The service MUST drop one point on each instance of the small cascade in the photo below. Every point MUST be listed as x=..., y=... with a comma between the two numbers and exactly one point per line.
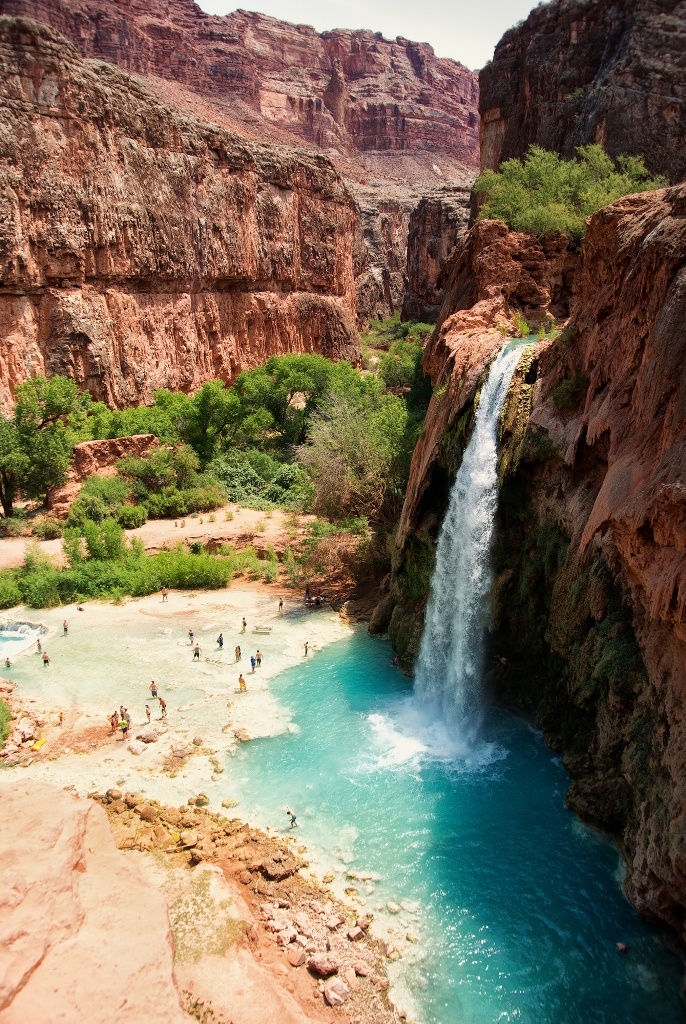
x=450, y=664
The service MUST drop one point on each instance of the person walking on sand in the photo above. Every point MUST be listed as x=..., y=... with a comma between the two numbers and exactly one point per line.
x=258, y=658
x=163, y=706
x=153, y=689
x=245, y=625
x=252, y=661
x=191, y=636
x=46, y=659
x=165, y=595
x=65, y=627
x=147, y=713
x=196, y=652
x=306, y=645
x=241, y=684
x=220, y=641
x=280, y=606
x=238, y=654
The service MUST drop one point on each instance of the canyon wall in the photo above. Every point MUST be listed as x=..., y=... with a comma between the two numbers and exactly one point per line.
x=141, y=248
x=580, y=71
x=589, y=602
x=395, y=120
x=354, y=91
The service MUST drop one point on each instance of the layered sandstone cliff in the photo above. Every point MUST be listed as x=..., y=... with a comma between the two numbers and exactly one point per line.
x=354, y=91
x=589, y=603
x=580, y=71
x=140, y=248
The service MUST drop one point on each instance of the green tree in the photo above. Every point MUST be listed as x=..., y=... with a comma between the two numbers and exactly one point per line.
x=543, y=192
x=37, y=442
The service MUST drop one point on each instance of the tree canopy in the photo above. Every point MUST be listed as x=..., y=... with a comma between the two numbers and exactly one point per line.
x=545, y=193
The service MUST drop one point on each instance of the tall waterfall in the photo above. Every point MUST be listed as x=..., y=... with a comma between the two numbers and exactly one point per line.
x=450, y=665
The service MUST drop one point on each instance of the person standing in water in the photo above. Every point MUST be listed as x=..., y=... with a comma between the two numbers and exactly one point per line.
x=163, y=707
x=147, y=713
x=65, y=627
x=290, y=814
x=196, y=652
x=46, y=659
x=220, y=641
x=153, y=689
x=8, y=663
x=39, y=645
x=306, y=645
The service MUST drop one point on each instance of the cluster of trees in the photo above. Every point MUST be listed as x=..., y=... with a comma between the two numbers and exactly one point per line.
x=299, y=432
x=545, y=193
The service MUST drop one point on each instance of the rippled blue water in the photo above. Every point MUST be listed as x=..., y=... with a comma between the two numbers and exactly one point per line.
x=520, y=905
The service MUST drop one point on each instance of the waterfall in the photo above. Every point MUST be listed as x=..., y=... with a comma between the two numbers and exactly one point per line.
x=450, y=665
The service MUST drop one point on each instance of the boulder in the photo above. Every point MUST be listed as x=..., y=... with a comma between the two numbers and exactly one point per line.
x=148, y=735
x=147, y=812
x=355, y=934
x=286, y=936
x=197, y=741
x=324, y=964
x=296, y=957
x=362, y=968
x=136, y=747
x=189, y=837
x=393, y=908
x=332, y=923
x=336, y=992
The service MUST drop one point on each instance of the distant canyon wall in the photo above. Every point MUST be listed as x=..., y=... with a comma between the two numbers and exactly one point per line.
x=353, y=91
x=580, y=71
x=141, y=248
x=589, y=600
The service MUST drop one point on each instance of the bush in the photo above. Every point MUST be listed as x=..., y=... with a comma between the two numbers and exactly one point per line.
x=170, y=502
x=47, y=528
x=10, y=594
x=545, y=193
x=132, y=516
x=569, y=392
x=5, y=722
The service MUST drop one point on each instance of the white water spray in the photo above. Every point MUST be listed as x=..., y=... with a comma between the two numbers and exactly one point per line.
x=450, y=665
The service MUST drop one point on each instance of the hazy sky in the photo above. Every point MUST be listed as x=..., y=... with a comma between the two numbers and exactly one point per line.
x=466, y=30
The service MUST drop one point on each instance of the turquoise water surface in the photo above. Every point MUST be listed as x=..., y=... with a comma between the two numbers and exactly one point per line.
x=518, y=906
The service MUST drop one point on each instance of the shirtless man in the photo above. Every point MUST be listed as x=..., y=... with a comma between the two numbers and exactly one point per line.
x=241, y=684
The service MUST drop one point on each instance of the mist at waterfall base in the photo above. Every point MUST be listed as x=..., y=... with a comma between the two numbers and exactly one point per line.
x=460, y=810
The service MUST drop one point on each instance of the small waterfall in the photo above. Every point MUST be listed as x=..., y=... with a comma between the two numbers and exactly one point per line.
x=450, y=665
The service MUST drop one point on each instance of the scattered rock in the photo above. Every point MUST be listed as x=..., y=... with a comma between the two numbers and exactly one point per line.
x=334, y=922
x=202, y=800
x=351, y=979
x=286, y=936
x=242, y=736
x=113, y=794
x=149, y=735
x=393, y=908
x=355, y=934
x=363, y=922
x=245, y=877
x=188, y=837
x=328, y=878
x=362, y=968
x=228, y=804
x=412, y=937
x=296, y=957
x=276, y=872
x=324, y=964
x=147, y=812
x=336, y=992
x=172, y=816
x=303, y=924
x=136, y=747
x=197, y=741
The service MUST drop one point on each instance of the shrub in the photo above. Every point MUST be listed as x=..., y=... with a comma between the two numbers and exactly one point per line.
x=569, y=392
x=10, y=594
x=5, y=722
x=545, y=193
x=132, y=516
x=47, y=528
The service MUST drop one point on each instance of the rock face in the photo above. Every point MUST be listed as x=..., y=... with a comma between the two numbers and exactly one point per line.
x=80, y=930
x=436, y=226
x=580, y=71
x=350, y=90
x=589, y=603
x=140, y=248
x=91, y=457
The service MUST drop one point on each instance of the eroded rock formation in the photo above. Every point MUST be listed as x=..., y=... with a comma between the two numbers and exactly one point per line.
x=580, y=71
x=351, y=90
x=589, y=603
x=436, y=226
x=140, y=248
x=91, y=457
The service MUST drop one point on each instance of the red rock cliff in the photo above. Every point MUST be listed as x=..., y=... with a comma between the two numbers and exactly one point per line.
x=352, y=90
x=140, y=248
x=580, y=71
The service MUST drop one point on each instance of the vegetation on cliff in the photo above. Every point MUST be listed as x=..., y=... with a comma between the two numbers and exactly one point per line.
x=544, y=193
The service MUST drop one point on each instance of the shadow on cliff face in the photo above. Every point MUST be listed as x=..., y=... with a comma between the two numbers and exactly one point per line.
x=589, y=602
